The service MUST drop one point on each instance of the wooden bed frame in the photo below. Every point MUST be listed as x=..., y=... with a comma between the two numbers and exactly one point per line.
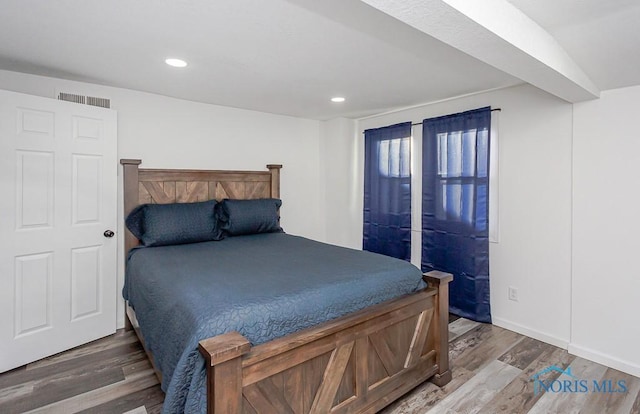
x=358, y=363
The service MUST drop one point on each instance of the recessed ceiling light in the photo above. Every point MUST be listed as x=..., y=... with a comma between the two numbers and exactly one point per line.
x=337, y=99
x=176, y=63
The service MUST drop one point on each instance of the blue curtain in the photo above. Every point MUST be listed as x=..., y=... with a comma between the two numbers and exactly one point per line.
x=455, y=213
x=387, y=191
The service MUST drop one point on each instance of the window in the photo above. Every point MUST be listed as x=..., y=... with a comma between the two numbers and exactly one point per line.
x=395, y=157
x=462, y=176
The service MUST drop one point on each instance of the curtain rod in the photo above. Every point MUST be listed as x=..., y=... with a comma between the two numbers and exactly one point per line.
x=494, y=109
x=420, y=123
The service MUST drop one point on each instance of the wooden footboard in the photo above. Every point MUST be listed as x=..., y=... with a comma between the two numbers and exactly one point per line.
x=356, y=364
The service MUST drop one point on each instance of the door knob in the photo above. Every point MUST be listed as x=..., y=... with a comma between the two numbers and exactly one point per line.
x=108, y=233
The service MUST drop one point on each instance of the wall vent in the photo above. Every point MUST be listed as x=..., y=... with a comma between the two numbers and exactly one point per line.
x=71, y=97
x=85, y=100
x=101, y=102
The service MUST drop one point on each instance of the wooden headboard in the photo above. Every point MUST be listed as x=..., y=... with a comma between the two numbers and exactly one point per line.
x=142, y=186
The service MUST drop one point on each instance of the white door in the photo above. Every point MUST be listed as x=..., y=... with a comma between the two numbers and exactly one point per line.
x=57, y=199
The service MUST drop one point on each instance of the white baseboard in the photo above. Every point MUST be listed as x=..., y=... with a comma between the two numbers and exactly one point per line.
x=578, y=350
x=532, y=333
x=604, y=359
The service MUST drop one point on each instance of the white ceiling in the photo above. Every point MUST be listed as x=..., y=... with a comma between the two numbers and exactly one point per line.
x=602, y=36
x=291, y=56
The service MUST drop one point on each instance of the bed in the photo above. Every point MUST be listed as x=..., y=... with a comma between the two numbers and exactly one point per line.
x=350, y=359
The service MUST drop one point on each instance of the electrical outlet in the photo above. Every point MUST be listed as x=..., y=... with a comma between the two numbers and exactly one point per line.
x=513, y=293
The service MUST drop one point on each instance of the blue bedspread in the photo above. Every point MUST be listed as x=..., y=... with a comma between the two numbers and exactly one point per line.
x=264, y=286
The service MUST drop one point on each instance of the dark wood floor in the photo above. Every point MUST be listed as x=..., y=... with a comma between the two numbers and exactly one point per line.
x=492, y=373
x=111, y=375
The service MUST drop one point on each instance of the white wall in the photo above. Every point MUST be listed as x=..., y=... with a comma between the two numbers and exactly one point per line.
x=534, y=249
x=340, y=193
x=567, y=208
x=172, y=133
x=606, y=278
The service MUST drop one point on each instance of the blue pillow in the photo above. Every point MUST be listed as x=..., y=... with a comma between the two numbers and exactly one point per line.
x=177, y=223
x=239, y=217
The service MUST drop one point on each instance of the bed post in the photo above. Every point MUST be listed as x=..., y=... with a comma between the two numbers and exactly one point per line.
x=130, y=192
x=274, y=169
x=223, y=356
x=130, y=195
x=440, y=281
